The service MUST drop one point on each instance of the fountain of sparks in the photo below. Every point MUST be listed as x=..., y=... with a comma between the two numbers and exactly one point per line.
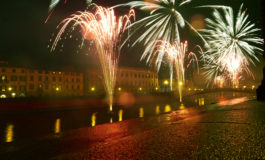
x=178, y=56
x=105, y=29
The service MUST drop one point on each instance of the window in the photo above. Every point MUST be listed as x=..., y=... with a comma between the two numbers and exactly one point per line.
x=53, y=78
x=3, y=88
x=46, y=86
x=77, y=80
x=40, y=78
x=53, y=72
x=60, y=79
x=31, y=86
x=14, y=70
x=3, y=70
x=22, y=88
x=78, y=87
x=22, y=78
x=40, y=72
x=22, y=71
x=31, y=78
x=46, y=78
x=13, y=78
x=73, y=79
x=47, y=72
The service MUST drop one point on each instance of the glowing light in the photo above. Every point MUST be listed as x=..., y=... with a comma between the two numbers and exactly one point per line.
x=93, y=119
x=140, y=89
x=3, y=78
x=57, y=126
x=197, y=21
x=3, y=96
x=9, y=133
x=9, y=88
x=141, y=112
x=13, y=95
x=177, y=55
x=244, y=87
x=182, y=106
x=92, y=89
x=201, y=101
x=111, y=120
x=57, y=88
x=157, y=109
x=166, y=82
x=110, y=107
x=106, y=30
x=167, y=108
x=120, y=115
x=119, y=89
x=252, y=87
x=233, y=44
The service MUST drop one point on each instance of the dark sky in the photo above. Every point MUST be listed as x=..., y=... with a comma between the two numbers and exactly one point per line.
x=25, y=37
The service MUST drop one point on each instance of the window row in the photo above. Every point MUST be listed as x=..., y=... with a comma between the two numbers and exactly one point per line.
x=40, y=78
x=16, y=70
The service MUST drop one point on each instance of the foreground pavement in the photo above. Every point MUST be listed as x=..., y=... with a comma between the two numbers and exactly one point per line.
x=218, y=131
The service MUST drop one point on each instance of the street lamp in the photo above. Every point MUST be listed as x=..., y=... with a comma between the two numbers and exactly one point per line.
x=166, y=82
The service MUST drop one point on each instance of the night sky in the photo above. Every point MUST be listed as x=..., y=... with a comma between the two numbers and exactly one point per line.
x=25, y=38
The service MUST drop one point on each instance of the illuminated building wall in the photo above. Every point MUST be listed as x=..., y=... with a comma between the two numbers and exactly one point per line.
x=24, y=82
x=138, y=81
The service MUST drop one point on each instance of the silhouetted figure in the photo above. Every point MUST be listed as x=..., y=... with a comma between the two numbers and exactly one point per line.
x=261, y=90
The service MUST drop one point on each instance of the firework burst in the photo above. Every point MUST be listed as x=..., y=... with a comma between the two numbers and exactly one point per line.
x=178, y=55
x=233, y=44
x=105, y=29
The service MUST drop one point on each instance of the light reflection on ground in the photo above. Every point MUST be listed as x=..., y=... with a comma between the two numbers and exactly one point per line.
x=233, y=101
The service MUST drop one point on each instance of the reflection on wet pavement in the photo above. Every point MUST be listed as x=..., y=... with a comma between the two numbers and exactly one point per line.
x=61, y=121
x=93, y=119
x=9, y=133
x=57, y=126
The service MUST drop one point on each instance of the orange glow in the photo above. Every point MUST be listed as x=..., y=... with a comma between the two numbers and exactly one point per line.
x=233, y=101
x=197, y=21
x=126, y=99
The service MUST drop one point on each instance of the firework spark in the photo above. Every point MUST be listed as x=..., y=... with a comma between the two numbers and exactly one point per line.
x=105, y=29
x=179, y=57
x=163, y=23
x=233, y=44
x=54, y=3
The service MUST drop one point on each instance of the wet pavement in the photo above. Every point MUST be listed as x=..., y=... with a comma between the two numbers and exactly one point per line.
x=225, y=132
x=232, y=128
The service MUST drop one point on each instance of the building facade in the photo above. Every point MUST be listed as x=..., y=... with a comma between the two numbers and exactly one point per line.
x=136, y=81
x=24, y=82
